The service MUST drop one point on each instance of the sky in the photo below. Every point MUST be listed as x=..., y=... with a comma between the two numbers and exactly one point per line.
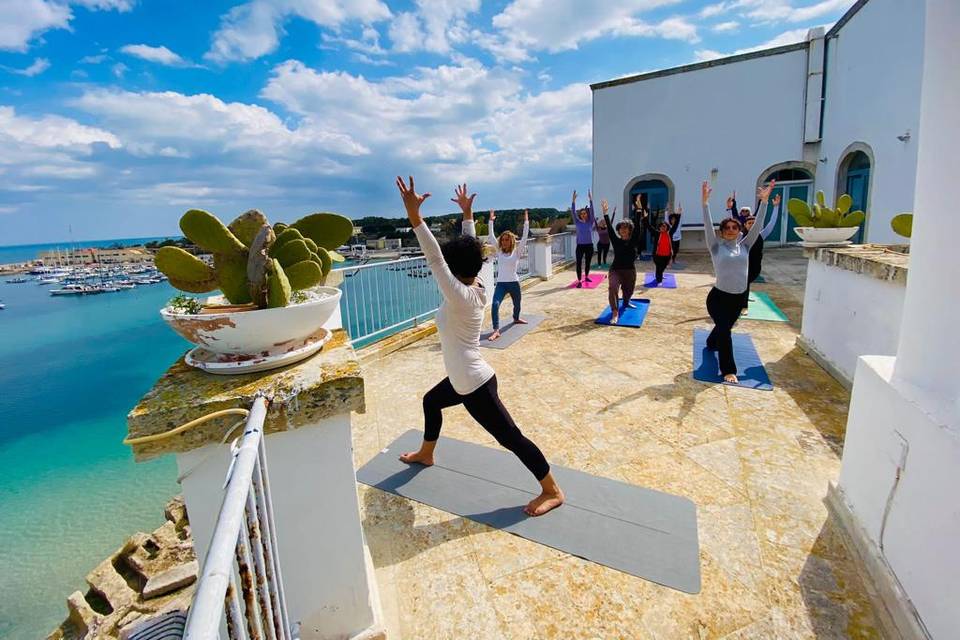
x=116, y=116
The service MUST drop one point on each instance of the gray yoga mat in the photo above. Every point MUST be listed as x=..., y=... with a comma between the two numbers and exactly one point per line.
x=510, y=333
x=645, y=533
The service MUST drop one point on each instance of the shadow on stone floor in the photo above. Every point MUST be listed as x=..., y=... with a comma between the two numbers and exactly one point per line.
x=683, y=387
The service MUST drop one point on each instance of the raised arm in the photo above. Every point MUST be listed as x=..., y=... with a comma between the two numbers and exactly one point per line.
x=764, y=194
x=526, y=230
x=592, y=219
x=676, y=225
x=451, y=288
x=465, y=203
x=708, y=233
x=490, y=234
x=767, y=230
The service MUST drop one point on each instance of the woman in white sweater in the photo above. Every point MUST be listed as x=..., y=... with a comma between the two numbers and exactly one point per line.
x=509, y=250
x=470, y=382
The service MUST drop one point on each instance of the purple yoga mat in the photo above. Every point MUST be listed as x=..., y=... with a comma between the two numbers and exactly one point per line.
x=591, y=283
x=650, y=281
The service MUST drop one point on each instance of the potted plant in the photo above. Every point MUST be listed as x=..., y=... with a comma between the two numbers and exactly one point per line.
x=270, y=277
x=823, y=225
x=539, y=228
x=902, y=224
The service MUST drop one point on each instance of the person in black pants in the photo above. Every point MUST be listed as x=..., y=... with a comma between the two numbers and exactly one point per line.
x=756, y=251
x=663, y=250
x=640, y=219
x=622, y=278
x=603, y=242
x=584, y=220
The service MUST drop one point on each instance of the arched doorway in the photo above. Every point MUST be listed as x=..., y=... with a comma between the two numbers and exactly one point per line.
x=853, y=178
x=655, y=191
x=794, y=180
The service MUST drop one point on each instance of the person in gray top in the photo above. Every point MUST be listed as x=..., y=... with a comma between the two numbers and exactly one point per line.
x=730, y=253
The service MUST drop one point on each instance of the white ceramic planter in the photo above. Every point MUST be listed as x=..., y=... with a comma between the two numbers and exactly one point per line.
x=255, y=333
x=838, y=234
x=539, y=232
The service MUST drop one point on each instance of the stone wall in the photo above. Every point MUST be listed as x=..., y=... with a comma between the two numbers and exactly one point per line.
x=150, y=574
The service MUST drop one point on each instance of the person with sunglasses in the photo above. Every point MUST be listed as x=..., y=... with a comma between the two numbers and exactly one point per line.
x=730, y=254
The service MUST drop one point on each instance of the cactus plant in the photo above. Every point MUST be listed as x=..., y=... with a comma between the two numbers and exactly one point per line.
x=823, y=217
x=252, y=260
x=902, y=224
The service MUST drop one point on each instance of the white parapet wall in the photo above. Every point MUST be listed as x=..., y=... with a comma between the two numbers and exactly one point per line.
x=852, y=306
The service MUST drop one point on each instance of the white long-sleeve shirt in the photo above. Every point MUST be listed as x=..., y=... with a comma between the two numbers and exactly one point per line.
x=460, y=317
x=507, y=263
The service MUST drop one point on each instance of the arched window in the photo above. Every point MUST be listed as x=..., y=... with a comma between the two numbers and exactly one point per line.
x=794, y=180
x=853, y=178
x=654, y=192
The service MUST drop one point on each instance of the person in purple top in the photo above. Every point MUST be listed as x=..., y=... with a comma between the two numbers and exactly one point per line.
x=603, y=242
x=585, y=220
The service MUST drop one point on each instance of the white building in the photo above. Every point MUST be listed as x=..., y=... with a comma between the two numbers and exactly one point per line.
x=837, y=113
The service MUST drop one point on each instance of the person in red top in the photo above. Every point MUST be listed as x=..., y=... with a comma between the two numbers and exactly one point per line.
x=663, y=248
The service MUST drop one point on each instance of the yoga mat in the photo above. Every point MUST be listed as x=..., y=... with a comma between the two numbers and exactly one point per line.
x=761, y=307
x=750, y=371
x=650, y=281
x=510, y=333
x=645, y=533
x=628, y=317
x=760, y=279
x=590, y=283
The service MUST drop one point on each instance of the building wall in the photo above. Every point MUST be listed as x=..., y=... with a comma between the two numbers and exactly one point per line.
x=740, y=118
x=873, y=95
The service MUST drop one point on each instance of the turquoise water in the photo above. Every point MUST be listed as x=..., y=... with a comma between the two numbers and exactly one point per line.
x=70, y=493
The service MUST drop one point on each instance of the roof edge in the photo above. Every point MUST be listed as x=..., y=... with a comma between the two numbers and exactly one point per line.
x=762, y=53
x=845, y=18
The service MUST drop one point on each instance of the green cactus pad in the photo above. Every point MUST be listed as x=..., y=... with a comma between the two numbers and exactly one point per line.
x=853, y=219
x=283, y=237
x=902, y=224
x=844, y=203
x=278, y=287
x=205, y=231
x=336, y=257
x=800, y=212
x=311, y=245
x=326, y=262
x=185, y=271
x=280, y=227
x=292, y=252
x=328, y=230
x=821, y=199
x=231, y=271
x=827, y=219
x=304, y=275
x=247, y=225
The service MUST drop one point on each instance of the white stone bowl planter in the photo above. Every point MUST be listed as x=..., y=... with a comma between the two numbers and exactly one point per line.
x=257, y=332
x=826, y=236
x=539, y=232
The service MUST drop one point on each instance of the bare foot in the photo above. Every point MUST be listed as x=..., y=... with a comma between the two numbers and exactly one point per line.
x=630, y=305
x=543, y=503
x=520, y=321
x=743, y=311
x=615, y=318
x=731, y=378
x=494, y=336
x=418, y=457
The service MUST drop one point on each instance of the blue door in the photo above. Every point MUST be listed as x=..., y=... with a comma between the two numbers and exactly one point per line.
x=857, y=185
x=653, y=195
x=783, y=231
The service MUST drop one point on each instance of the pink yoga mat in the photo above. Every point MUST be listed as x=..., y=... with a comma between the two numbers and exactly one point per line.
x=591, y=283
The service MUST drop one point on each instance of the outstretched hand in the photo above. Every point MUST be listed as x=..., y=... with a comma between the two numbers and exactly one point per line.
x=526, y=215
x=464, y=201
x=776, y=200
x=604, y=206
x=493, y=215
x=705, y=191
x=411, y=200
x=730, y=202
x=763, y=193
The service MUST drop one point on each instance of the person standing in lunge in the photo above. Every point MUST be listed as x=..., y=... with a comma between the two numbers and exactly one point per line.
x=584, y=221
x=470, y=382
x=731, y=260
x=508, y=255
x=625, y=238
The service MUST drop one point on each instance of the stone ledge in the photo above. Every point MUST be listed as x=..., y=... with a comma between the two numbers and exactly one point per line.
x=889, y=263
x=327, y=384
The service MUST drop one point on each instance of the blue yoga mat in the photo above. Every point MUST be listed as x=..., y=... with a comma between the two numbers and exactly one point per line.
x=628, y=317
x=750, y=371
x=650, y=281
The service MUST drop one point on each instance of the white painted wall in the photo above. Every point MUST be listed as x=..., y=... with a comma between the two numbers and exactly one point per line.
x=741, y=118
x=873, y=95
x=320, y=538
x=846, y=315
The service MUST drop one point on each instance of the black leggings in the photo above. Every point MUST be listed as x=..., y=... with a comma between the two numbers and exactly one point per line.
x=485, y=407
x=724, y=308
x=676, y=248
x=585, y=253
x=602, y=249
x=661, y=263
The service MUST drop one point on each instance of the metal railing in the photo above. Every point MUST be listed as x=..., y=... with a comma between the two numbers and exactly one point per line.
x=382, y=298
x=559, y=251
x=523, y=265
x=243, y=549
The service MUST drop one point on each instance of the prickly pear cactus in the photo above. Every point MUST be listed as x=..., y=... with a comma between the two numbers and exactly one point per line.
x=254, y=261
x=823, y=217
x=902, y=224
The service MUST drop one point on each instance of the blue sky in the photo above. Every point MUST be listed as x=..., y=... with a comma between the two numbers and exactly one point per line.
x=118, y=115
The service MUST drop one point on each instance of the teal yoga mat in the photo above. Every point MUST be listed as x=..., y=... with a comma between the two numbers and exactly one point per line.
x=761, y=307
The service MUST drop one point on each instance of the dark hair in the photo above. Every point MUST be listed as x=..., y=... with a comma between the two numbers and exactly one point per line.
x=749, y=219
x=464, y=256
x=625, y=223
x=673, y=217
x=726, y=221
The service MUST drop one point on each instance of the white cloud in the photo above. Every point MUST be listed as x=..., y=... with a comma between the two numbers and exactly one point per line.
x=24, y=20
x=51, y=132
x=434, y=26
x=160, y=55
x=725, y=27
x=251, y=30
x=97, y=59
x=39, y=66
x=769, y=11
x=787, y=37
x=119, y=70
x=405, y=33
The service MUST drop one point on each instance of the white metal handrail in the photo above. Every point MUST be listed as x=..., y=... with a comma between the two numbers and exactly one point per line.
x=244, y=546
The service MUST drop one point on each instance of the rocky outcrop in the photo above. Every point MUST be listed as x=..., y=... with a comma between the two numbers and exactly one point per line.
x=151, y=574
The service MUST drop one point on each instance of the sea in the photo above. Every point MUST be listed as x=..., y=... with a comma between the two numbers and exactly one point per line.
x=71, y=368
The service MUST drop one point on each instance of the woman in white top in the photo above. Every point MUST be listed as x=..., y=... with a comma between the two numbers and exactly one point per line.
x=470, y=382
x=509, y=250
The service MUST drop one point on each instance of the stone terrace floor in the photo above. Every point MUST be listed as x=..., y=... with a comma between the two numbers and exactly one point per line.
x=621, y=403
